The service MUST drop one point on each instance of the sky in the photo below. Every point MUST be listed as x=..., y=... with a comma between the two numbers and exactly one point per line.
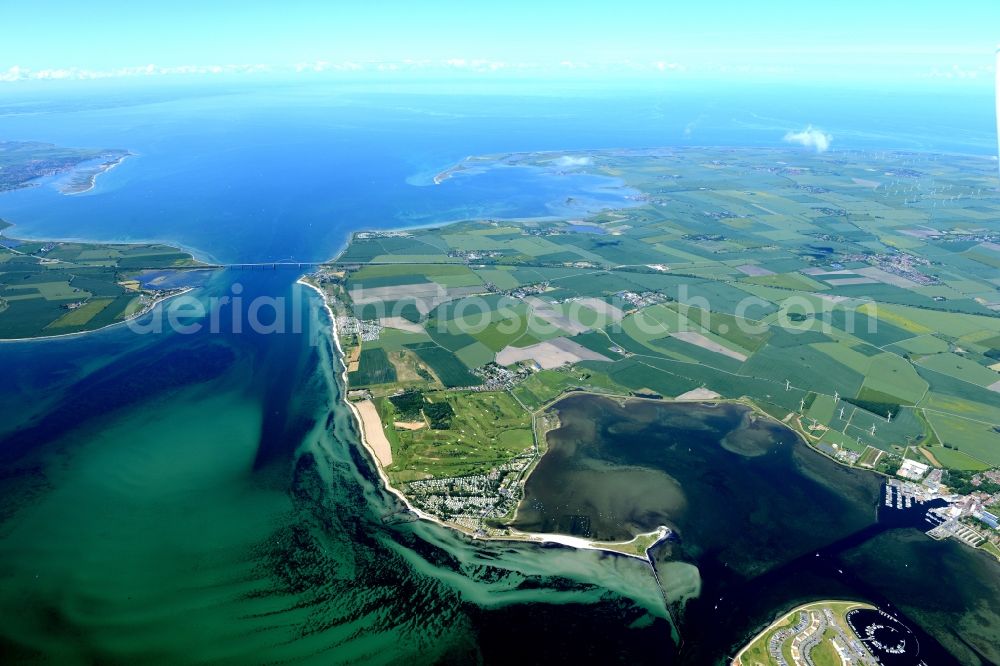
x=867, y=41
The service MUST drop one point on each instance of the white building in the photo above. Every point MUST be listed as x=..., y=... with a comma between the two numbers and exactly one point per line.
x=911, y=469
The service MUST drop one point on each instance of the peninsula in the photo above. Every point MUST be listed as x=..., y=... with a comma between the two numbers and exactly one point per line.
x=52, y=288
x=849, y=296
x=23, y=163
x=819, y=633
x=56, y=288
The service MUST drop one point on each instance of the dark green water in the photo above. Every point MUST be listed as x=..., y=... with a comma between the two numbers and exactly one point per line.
x=763, y=524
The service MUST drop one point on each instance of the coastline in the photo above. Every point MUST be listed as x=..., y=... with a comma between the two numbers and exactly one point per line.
x=737, y=660
x=160, y=298
x=146, y=310
x=565, y=540
x=697, y=395
x=205, y=260
x=91, y=178
x=807, y=435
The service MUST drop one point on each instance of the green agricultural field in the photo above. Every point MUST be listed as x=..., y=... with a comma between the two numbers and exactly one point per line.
x=956, y=406
x=693, y=353
x=394, y=339
x=745, y=334
x=905, y=429
x=545, y=386
x=50, y=291
x=795, y=281
x=475, y=355
x=446, y=365
x=450, y=337
x=502, y=279
x=957, y=460
x=920, y=345
x=893, y=376
x=643, y=377
x=373, y=368
x=406, y=270
x=498, y=335
x=823, y=408
x=387, y=275
x=60, y=288
x=82, y=315
x=597, y=341
x=808, y=366
x=734, y=275
x=975, y=439
x=961, y=368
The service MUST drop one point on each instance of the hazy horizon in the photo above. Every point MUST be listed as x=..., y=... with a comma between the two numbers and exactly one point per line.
x=889, y=44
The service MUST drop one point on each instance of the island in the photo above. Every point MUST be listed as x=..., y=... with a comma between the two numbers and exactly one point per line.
x=850, y=296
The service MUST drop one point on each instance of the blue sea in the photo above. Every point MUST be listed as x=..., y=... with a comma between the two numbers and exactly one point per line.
x=287, y=172
x=173, y=498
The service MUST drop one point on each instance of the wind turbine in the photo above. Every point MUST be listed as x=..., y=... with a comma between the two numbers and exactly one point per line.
x=841, y=413
x=788, y=385
x=873, y=430
x=890, y=417
x=802, y=405
x=836, y=396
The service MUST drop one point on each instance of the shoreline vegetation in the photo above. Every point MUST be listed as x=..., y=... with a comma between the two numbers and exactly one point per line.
x=62, y=288
x=160, y=297
x=59, y=289
x=25, y=163
x=84, y=179
x=583, y=293
x=827, y=618
x=381, y=456
x=637, y=547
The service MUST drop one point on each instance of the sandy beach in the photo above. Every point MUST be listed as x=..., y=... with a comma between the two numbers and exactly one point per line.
x=565, y=540
x=699, y=394
x=372, y=426
x=89, y=177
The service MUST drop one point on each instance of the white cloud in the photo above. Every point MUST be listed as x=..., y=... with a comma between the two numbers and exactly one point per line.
x=690, y=127
x=570, y=161
x=810, y=138
x=17, y=73
x=957, y=72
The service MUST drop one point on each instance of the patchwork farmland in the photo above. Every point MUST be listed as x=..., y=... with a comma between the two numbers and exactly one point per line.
x=57, y=288
x=854, y=297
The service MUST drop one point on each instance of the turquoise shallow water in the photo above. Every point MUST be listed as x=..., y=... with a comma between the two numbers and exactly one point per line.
x=225, y=513
x=174, y=498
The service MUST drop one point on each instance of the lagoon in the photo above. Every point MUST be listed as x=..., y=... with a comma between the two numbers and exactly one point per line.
x=766, y=522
